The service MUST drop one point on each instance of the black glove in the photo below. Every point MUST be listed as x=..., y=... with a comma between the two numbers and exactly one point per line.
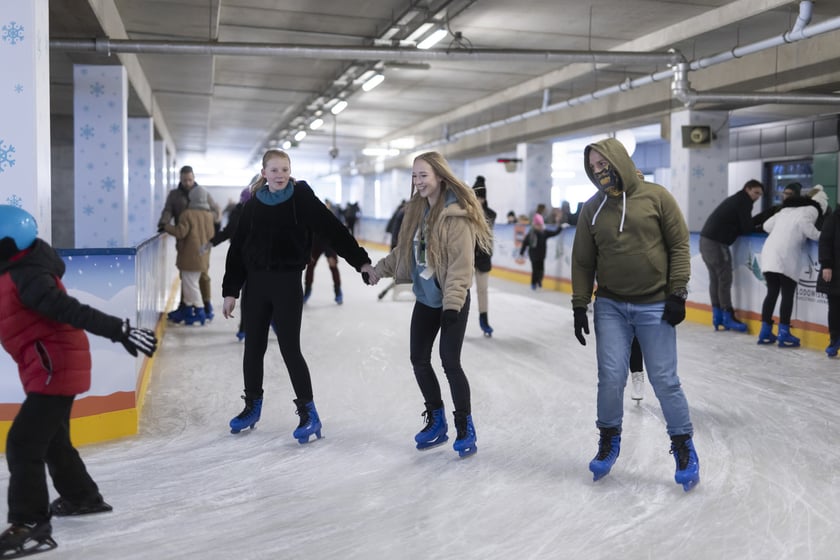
x=674, y=313
x=135, y=339
x=366, y=278
x=161, y=229
x=581, y=324
x=449, y=318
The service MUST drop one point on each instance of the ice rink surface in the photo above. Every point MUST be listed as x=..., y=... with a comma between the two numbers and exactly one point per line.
x=766, y=423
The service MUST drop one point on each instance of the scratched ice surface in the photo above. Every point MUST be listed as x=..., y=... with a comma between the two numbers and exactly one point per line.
x=766, y=424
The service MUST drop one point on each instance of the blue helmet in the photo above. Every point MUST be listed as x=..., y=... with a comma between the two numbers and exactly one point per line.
x=18, y=225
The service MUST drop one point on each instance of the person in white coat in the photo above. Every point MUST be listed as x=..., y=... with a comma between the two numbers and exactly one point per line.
x=780, y=258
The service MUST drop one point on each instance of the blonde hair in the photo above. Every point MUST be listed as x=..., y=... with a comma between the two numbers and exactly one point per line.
x=415, y=209
x=258, y=181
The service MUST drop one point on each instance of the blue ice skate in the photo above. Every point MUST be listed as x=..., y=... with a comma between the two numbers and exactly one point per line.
x=434, y=432
x=195, y=315
x=249, y=416
x=688, y=465
x=339, y=297
x=208, y=310
x=786, y=339
x=465, y=440
x=766, y=336
x=833, y=347
x=609, y=446
x=178, y=315
x=485, y=326
x=310, y=423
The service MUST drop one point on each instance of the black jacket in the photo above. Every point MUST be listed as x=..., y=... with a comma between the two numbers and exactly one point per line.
x=279, y=237
x=829, y=254
x=482, y=258
x=732, y=217
x=535, y=243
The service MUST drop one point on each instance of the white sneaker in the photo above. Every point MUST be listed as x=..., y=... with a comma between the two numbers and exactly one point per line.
x=638, y=380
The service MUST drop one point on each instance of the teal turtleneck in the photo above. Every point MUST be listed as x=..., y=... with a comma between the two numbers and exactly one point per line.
x=269, y=198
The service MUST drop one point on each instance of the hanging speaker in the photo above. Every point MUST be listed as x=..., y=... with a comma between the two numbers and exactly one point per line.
x=696, y=136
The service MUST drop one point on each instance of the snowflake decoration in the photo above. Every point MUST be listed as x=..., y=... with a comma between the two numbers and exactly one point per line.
x=90, y=166
x=97, y=89
x=112, y=243
x=6, y=156
x=88, y=210
x=115, y=128
x=87, y=132
x=18, y=88
x=697, y=172
x=13, y=33
x=15, y=200
x=109, y=184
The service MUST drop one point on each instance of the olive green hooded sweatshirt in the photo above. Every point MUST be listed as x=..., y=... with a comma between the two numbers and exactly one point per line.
x=634, y=240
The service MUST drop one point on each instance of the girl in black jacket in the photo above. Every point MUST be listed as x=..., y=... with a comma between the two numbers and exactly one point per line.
x=535, y=244
x=270, y=249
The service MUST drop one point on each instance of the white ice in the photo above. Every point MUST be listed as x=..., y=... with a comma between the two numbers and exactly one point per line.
x=766, y=422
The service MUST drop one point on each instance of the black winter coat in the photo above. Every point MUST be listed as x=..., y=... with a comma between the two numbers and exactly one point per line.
x=483, y=261
x=279, y=237
x=829, y=254
x=732, y=217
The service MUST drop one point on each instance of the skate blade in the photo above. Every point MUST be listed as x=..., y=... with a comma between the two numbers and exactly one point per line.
x=687, y=486
x=251, y=427
x=305, y=440
x=430, y=444
x=35, y=547
x=467, y=453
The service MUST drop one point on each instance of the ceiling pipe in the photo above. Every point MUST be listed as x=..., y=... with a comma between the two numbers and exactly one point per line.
x=109, y=46
x=799, y=32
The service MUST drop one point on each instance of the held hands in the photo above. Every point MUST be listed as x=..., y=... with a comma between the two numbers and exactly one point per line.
x=204, y=248
x=581, y=324
x=826, y=274
x=369, y=275
x=674, y=313
x=228, y=306
x=448, y=318
x=135, y=339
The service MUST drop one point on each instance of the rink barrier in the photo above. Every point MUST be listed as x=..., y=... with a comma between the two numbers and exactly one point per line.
x=810, y=312
x=130, y=282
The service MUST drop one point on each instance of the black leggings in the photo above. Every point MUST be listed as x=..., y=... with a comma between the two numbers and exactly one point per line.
x=787, y=285
x=834, y=316
x=425, y=324
x=274, y=295
x=537, y=272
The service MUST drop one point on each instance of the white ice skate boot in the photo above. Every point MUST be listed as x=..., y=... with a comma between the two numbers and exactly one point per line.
x=637, y=392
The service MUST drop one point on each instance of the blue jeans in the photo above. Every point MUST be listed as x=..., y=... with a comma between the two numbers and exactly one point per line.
x=615, y=325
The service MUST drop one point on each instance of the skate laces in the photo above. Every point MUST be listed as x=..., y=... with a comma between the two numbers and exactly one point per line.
x=604, y=448
x=427, y=417
x=304, y=417
x=683, y=454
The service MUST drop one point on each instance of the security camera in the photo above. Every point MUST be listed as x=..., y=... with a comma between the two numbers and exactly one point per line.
x=333, y=152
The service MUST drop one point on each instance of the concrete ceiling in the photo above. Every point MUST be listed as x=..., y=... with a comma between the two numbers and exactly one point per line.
x=231, y=108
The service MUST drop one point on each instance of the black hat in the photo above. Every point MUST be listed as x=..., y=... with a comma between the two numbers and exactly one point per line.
x=479, y=188
x=795, y=187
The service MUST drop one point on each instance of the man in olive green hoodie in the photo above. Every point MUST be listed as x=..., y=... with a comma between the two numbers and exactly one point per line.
x=632, y=236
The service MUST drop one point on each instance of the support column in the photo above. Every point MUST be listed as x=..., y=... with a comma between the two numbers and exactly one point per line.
x=699, y=172
x=141, y=192
x=161, y=178
x=25, y=110
x=536, y=166
x=100, y=97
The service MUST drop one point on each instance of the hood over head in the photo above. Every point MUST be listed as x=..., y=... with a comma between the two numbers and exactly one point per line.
x=621, y=175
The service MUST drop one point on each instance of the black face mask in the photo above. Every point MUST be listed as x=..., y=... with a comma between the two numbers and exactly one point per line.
x=609, y=180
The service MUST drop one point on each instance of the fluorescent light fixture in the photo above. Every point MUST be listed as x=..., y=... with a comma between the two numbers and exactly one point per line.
x=379, y=152
x=419, y=32
x=316, y=124
x=338, y=107
x=287, y=144
x=405, y=143
x=433, y=39
x=366, y=75
x=373, y=82
x=300, y=135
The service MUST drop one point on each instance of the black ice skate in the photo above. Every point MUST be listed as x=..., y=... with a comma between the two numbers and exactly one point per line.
x=62, y=507
x=23, y=539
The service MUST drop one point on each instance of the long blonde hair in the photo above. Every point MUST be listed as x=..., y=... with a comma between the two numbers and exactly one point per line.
x=258, y=181
x=415, y=209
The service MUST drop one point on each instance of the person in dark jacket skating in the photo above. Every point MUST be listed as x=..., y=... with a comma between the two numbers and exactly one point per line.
x=535, y=243
x=483, y=259
x=733, y=217
x=270, y=249
x=828, y=283
x=43, y=330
